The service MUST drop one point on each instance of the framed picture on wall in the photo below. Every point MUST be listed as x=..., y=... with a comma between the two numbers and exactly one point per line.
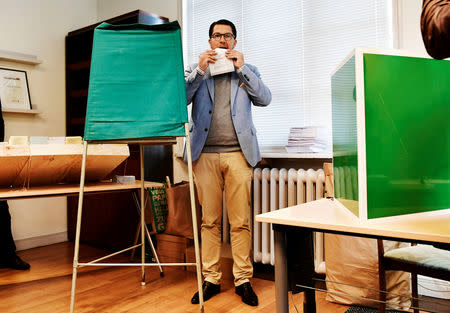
x=14, y=92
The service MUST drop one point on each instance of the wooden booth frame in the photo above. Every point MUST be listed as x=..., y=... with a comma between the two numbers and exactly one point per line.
x=144, y=231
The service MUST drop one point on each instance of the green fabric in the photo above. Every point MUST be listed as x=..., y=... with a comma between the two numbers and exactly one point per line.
x=345, y=160
x=136, y=86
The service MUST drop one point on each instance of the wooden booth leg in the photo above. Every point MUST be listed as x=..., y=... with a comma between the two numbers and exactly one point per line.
x=194, y=216
x=77, y=234
x=149, y=238
x=141, y=151
x=381, y=277
x=415, y=293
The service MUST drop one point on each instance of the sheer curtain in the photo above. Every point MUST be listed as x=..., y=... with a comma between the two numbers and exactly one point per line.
x=295, y=45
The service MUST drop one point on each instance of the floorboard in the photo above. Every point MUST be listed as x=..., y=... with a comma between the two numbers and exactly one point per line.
x=46, y=288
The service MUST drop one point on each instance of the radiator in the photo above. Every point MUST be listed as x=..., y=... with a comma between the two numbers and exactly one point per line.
x=275, y=189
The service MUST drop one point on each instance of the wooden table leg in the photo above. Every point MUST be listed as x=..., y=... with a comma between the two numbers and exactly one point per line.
x=281, y=279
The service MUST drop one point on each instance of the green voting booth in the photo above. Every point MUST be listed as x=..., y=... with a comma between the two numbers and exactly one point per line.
x=136, y=88
x=391, y=133
x=137, y=95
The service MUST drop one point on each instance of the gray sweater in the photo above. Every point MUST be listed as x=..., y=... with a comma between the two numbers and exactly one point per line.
x=221, y=135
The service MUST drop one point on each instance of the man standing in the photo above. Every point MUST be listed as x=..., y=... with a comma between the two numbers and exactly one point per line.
x=8, y=256
x=224, y=148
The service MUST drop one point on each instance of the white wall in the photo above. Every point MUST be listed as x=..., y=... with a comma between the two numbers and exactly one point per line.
x=39, y=28
x=409, y=35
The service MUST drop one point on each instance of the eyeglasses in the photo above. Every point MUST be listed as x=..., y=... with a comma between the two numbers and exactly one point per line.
x=227, y=36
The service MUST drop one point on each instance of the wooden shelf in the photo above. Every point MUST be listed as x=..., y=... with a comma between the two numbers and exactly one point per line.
x=21, y=111
x=19, y=57
x=77, y=120
x=78, y=93
x=79, y=65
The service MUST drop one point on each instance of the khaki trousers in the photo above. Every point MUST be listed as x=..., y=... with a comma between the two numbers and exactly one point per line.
x=213, y=173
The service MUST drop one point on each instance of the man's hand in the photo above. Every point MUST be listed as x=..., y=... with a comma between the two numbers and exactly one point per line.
x=205, y=58
x=236, y=56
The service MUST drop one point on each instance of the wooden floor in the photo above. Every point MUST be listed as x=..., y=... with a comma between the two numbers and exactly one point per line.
x=46, y=288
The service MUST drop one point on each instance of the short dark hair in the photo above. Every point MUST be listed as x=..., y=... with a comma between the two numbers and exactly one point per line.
x=222, y=22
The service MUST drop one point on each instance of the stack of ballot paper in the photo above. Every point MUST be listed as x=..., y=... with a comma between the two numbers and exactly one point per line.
x=307, y=139
x=56, y=140
x=222, y=65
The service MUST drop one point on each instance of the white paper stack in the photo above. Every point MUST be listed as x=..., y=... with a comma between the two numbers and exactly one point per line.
x=19, y=140
x=127, y=179
x=307, y=139
x=56, y=140
x=73, y=140
x=40, y=140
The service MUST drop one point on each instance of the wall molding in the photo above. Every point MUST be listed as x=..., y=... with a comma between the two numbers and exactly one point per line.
x=39, y=241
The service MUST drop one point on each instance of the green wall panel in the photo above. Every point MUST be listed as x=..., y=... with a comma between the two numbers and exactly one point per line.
x=345, y=161
x=407, y=134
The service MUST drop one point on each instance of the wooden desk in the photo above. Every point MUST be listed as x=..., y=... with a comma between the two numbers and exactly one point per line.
x=69, y=190
x=94, y=188
x=73, y=190
x=330, y=216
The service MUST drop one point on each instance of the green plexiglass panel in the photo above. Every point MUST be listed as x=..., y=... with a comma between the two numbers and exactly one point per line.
x=407, y=134
x=345, y=162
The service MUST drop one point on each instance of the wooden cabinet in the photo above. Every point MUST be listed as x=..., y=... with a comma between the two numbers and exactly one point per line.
x=109, y=220
x=78, y=63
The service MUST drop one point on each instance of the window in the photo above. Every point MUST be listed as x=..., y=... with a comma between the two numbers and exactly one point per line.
x=295, y=45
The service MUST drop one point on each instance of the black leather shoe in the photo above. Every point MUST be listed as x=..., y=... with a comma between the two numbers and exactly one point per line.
x=247, y=294
x=15, y=262
x=209, y=290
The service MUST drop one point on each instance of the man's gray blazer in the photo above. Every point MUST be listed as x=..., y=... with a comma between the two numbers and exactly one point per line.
x=200, y=92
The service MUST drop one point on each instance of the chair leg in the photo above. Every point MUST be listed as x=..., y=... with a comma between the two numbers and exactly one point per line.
x=415, y=293
x=382, y=282
x=381, y=277
x=309, y=301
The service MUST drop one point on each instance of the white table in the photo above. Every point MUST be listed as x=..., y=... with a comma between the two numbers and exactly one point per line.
x=328, y=215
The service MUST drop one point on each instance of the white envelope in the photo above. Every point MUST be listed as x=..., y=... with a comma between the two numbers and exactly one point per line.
x=222, y=65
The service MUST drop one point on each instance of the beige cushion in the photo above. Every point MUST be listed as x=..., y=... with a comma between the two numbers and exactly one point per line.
x=424, y=255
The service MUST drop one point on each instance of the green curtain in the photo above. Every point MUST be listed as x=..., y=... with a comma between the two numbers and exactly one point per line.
x=136, y=86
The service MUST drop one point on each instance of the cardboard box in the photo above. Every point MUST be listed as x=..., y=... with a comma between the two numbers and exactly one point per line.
x=226, y=261
x=190, y=258
x=172, y=249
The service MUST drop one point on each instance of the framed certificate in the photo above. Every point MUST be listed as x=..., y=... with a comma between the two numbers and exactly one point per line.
x=14, y=92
